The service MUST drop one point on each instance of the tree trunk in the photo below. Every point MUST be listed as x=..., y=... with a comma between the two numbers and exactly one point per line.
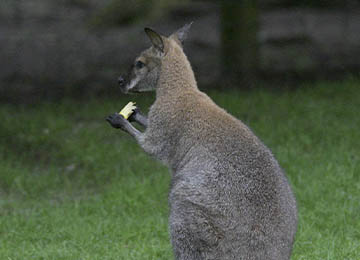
x=239, y=26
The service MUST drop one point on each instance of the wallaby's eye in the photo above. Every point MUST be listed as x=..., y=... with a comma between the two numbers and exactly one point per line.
x=139, y=64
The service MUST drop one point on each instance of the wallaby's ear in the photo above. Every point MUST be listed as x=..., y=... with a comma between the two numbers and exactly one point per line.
x=155, y=39
x=182, y=33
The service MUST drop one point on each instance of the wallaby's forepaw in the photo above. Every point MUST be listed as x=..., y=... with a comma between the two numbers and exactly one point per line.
x=132, y=117
x=117, y=121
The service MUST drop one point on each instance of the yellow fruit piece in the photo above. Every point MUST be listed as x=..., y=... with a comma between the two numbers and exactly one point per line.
x=128, y=110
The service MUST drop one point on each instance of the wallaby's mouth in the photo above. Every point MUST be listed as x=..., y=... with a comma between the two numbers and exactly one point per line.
x=131, y=86
x=122, y=84
x=126, y=90
x=129, y=91
x=128, y=87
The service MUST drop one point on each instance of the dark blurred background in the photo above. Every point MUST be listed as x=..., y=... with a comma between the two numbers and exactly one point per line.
x=51, y=49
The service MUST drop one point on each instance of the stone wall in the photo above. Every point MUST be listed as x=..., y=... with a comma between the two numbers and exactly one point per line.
x=50, y=48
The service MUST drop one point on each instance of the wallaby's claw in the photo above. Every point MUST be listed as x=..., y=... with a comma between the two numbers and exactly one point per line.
x=116, y=120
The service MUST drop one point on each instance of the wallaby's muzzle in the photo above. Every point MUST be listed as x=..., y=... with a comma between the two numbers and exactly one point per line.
x=128, y=86
x=122, y=84
x=121, y=81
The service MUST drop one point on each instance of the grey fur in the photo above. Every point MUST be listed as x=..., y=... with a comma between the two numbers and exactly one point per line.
x=229, y=198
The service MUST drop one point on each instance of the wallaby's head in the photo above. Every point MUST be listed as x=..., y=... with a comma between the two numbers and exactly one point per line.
x=146, y=68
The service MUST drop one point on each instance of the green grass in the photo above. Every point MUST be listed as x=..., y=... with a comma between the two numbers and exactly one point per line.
x=72, y=187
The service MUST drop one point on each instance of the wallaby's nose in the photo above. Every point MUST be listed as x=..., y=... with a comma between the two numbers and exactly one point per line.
x=121, y=81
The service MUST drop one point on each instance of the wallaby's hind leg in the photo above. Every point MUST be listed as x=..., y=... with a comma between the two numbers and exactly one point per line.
x=193, y=235
x=184, y=246
x=194, y=240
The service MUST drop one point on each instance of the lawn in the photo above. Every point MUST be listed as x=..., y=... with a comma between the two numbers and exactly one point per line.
x=72, y=187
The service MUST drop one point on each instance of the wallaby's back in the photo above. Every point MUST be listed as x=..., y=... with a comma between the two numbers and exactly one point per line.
x=228, y=197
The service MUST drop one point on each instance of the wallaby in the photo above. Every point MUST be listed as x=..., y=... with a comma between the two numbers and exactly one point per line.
x=229, y=198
